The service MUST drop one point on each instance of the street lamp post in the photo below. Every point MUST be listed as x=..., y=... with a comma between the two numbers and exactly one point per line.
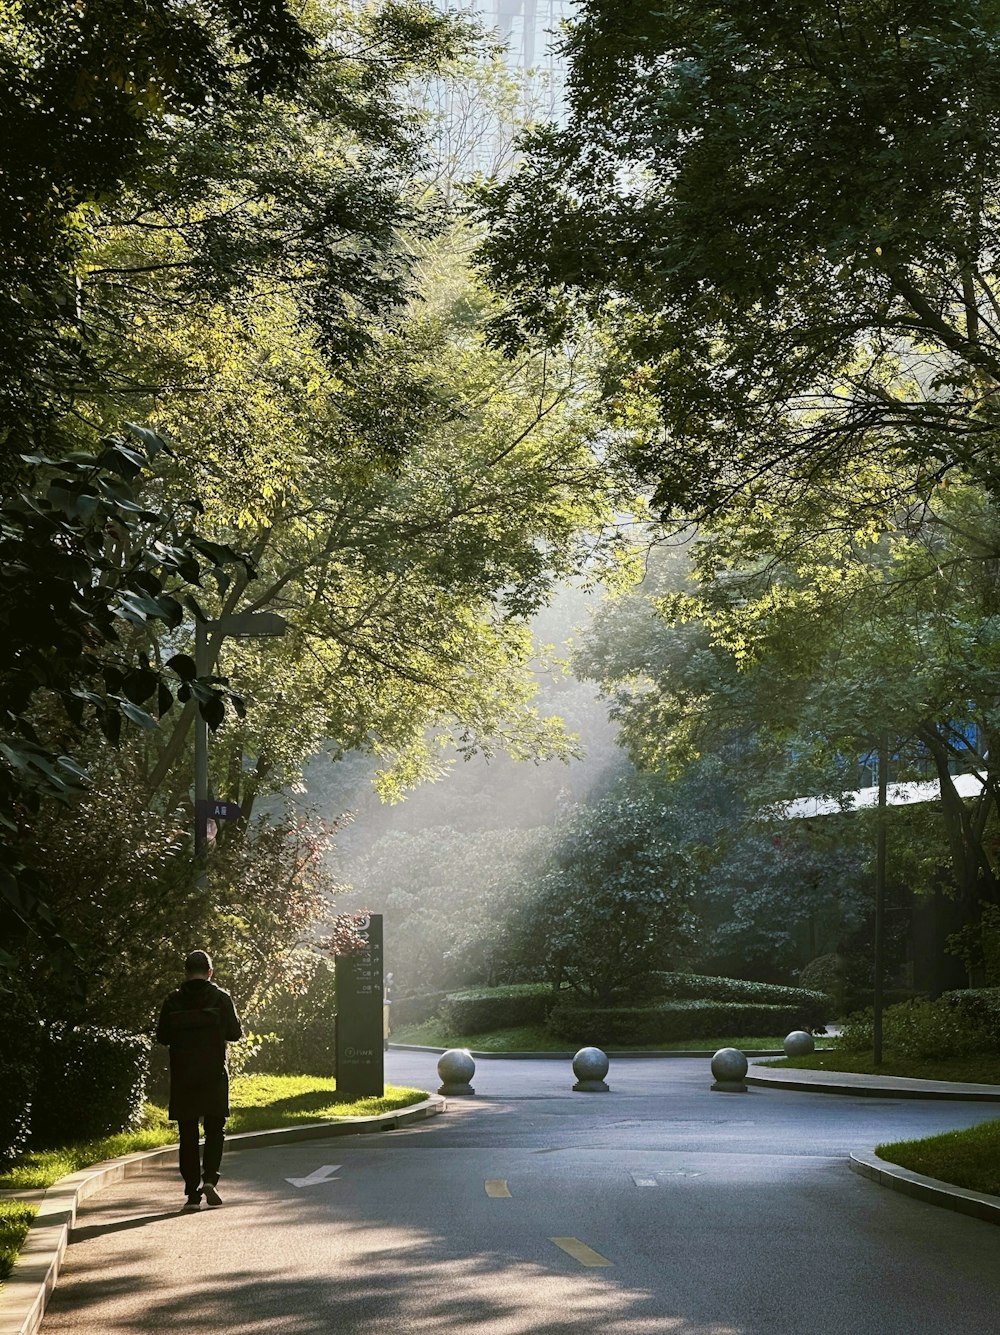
x=880, y=860
x=243, y=625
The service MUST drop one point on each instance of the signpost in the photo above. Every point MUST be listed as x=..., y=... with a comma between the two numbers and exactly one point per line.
x=241, y=625
x=360, y=1059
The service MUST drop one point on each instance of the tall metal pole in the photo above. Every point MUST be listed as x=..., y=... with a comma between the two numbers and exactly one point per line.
x=880, y=859
x=200, y=750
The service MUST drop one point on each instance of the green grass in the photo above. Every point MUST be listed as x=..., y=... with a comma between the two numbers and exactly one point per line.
x=969, y=1159
x=15, y=1219
x=258, y=1103
x=536, y=1038
x=981, y=1069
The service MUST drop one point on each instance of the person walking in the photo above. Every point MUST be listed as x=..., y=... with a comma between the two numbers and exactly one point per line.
x=196, y=1022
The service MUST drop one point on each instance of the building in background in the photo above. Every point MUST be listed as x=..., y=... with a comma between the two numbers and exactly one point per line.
x=529, y=29
x=476, y=120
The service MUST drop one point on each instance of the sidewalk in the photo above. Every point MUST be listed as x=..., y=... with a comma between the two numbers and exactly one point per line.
x=24, y=1296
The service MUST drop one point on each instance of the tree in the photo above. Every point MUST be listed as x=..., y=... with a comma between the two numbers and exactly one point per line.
x=119, y=132
x=803, y=650
x=87, y=89
x=612, y=903
x=268, y=290
x=785, y=216
x=88, y=577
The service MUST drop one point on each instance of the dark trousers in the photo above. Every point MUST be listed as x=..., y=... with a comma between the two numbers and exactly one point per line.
x=197, y=1168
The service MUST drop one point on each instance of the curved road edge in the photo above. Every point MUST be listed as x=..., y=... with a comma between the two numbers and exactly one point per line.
x=872, y=1086
x=26, y=1293
x=929, y=1189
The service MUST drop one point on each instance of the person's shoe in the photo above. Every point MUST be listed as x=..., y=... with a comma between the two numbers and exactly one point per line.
x=191, y=1204
x=212, y=1197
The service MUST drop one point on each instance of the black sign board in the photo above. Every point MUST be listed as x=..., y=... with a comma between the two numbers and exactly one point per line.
x=213, y=810
x=360, y=1068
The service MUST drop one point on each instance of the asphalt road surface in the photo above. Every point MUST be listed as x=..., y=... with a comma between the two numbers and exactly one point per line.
x=661, y=1208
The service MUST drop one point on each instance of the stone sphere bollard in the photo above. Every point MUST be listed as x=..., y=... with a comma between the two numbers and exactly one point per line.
x=590, y=1066
x=456, y=1068
x=729, y=1066
x=799, y=1044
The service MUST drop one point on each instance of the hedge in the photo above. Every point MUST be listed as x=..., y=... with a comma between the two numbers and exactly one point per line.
x=703, y=987
x=485, y=1008
x=91, y=1083
x=672, y=1022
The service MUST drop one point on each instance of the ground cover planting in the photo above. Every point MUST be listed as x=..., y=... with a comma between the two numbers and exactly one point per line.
x=969, y=1158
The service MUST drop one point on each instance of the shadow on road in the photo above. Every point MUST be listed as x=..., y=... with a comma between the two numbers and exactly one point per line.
x=119, y=1226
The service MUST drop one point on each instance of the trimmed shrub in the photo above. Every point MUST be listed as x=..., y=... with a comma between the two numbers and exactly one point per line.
x=484, y=1008
x=19, y=1044
x=91, y=1083
x=814, y=1006
x=980, y=1007
x=918, y=1028
x=671, y=1022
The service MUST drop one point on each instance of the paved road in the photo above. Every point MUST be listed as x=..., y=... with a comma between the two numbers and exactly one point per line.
x=677, y=1211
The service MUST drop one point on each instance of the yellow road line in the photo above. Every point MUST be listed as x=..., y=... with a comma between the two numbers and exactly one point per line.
x=581, y=1252
x=497, y=1187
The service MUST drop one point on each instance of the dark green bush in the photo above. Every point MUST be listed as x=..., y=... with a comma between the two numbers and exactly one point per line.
x=918, y=1028
x=980, y=1007
x=19, y=1041
x=671, y=1022
x=814, y=1006
x=481, y=1009
x=298, y=1026
x=91, y=1083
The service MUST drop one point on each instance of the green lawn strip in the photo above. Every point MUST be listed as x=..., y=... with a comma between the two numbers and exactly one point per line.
x=969, y=1159
x=981, y=1069
x=536, y=1038
x=258, y=1103
x=15, y=1220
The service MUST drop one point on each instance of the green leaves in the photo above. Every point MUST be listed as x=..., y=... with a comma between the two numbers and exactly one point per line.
x=85, y=597
x=777, y=217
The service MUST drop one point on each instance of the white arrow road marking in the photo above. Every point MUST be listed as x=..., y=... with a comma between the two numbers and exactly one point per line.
x=644, y=1181
x=317, y=1176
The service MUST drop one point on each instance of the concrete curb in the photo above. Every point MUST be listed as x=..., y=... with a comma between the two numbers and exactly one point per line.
x=888, y=1086
x=31, y=1281
x=974, y=1203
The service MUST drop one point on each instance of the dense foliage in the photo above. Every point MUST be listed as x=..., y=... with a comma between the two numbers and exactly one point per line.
x=785, y=221
x=91, y=1082
x=235, y=247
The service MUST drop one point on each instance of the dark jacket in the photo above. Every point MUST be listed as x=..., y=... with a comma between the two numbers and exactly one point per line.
x=196, y=1022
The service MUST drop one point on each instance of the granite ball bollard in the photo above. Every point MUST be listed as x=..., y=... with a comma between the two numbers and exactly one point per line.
x=590, y=1066
x=799, y=1043
x=456, y=1068
x=729, y=1066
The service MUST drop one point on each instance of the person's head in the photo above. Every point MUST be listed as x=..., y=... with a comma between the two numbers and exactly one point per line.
x=198, y=965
